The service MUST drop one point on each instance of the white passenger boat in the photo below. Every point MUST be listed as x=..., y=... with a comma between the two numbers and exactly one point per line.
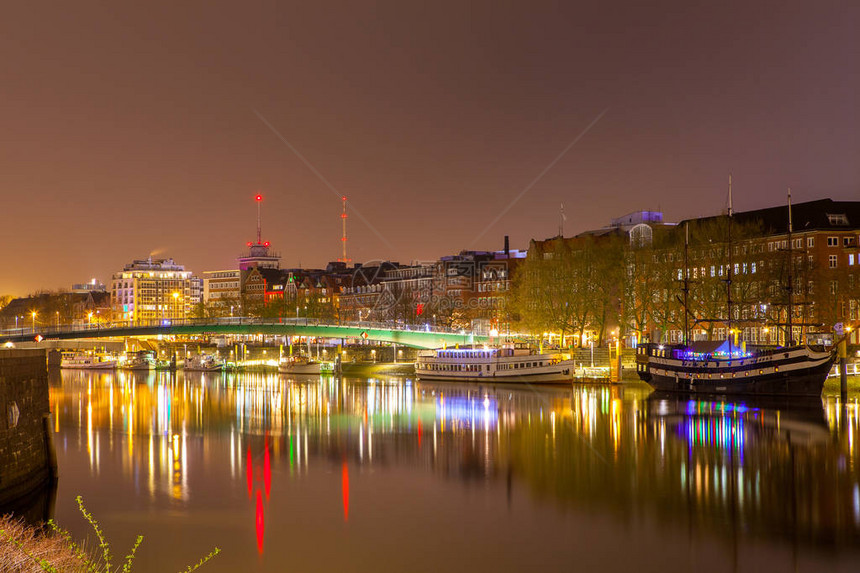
x=81, y=360
x=142, y=360
x=204, y=363
x=506, y=364
x=302, y=365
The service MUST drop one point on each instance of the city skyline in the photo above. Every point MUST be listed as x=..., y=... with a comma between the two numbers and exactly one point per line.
x=136, y=131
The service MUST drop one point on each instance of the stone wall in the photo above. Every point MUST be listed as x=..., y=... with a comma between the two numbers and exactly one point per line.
x=27, y=459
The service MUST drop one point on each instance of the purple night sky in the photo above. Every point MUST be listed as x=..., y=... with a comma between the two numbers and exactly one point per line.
x=130, y=130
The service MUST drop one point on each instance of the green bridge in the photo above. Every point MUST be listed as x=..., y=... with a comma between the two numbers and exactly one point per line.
x=408, y=336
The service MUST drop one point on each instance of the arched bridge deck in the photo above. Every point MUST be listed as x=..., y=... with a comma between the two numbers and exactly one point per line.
x=408, y=336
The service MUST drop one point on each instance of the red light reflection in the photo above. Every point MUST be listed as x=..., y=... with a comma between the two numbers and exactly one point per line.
x=267, y=469
x=250, y=471
x=345, y=485
x=260, y=523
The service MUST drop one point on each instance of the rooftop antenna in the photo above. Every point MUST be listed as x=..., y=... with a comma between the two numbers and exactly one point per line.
x=343, y=216
x=259, y=199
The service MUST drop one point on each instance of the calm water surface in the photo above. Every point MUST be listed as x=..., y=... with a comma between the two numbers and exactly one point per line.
x=321, y=474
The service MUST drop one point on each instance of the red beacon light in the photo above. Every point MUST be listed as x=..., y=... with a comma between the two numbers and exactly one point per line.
x=266, y=244
x=259, y=197
x=249, y=243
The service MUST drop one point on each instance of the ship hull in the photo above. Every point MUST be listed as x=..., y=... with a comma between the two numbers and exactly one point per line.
x=94, y=366
x=562, y=375
x=797, y=374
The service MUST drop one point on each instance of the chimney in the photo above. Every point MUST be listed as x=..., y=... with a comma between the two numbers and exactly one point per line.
x=507, y=247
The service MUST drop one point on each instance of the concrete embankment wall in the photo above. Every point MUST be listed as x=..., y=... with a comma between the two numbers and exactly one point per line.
x=27, y=459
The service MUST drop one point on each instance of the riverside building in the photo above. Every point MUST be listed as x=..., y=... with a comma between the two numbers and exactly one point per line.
x=150, y=289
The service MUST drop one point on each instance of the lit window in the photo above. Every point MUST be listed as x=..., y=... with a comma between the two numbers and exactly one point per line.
x=833, y=260
x=810, y=241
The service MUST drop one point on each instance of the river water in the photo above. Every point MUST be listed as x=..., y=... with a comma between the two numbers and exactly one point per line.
x=392, y=474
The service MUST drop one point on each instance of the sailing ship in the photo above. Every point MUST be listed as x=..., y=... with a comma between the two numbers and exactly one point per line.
x=720, y=367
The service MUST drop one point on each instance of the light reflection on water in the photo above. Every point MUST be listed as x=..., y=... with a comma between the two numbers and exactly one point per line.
x=319, y=472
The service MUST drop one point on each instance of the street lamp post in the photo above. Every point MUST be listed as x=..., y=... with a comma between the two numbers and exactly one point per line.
x=33, y=314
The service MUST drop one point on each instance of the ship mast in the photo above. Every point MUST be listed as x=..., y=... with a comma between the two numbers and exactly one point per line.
x=789, y=339
x=730, y=271
x=686, y=281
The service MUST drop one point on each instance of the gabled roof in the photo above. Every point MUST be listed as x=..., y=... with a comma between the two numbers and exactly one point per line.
x=809, y=216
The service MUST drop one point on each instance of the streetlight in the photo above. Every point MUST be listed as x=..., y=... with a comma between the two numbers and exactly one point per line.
x=33, y=314
x=58, y=319
x=90, y=318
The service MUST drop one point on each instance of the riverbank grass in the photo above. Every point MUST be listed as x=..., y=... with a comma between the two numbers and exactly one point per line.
x=51, y=549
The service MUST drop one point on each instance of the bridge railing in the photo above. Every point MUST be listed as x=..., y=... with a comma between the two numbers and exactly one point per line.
x=48, y=330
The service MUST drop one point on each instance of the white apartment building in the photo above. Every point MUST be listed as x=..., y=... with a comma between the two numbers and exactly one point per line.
x=150, y=290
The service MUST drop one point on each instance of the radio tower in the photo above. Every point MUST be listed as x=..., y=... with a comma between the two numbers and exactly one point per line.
x=343, y=216
x=259, y=199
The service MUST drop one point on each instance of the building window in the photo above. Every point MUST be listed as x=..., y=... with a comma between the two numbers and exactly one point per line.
x=847, y=241
x=834, y=286
x=832, y=241
x=810, y=241
x=839, y=219
x=850, y=259
x=833, y=261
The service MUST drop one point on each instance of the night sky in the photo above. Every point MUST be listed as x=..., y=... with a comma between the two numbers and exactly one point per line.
x=135, y=130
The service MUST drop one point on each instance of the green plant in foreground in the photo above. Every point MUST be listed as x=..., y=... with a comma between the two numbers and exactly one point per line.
x=102, y=562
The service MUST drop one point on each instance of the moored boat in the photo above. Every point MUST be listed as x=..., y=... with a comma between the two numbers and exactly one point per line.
x=483, y=364
x=204, y=363
x=84, y=361
x=716, y=368
x=143, y=360
x=720, y=367
x=301, y=365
